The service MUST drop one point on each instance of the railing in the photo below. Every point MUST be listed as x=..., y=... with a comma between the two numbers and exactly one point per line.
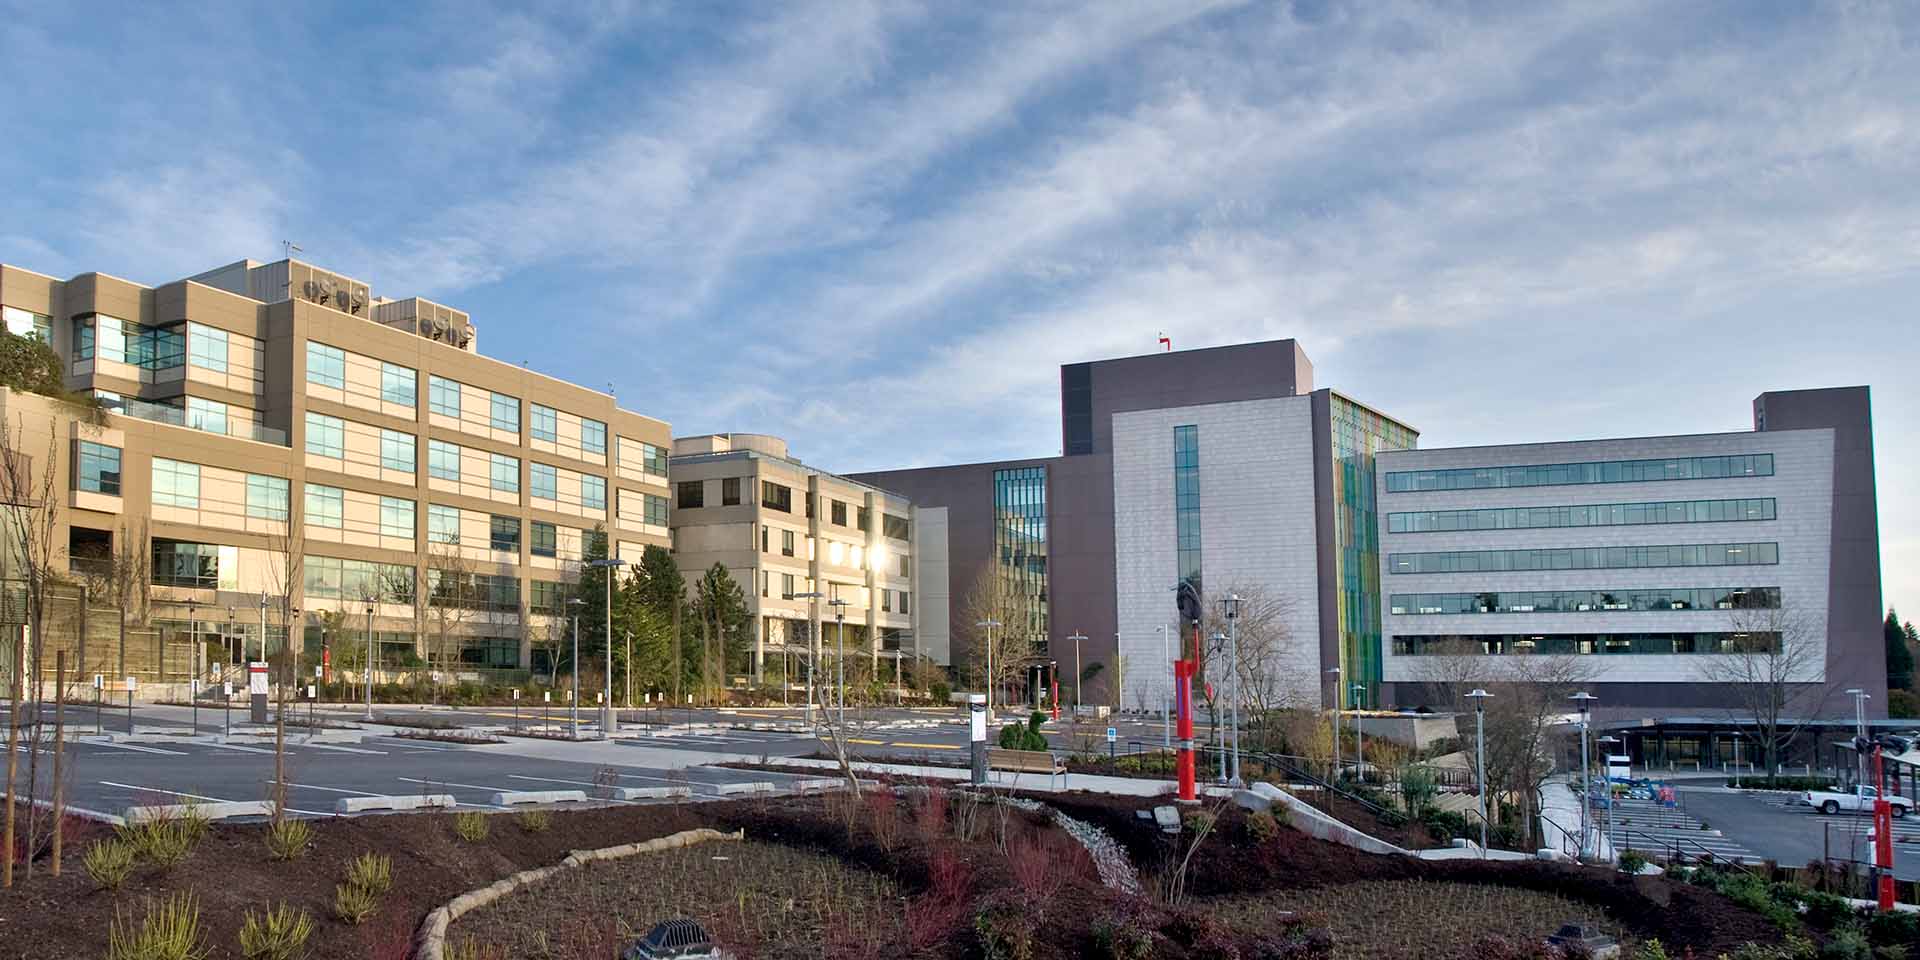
x=177, y=416
x=1675, y=851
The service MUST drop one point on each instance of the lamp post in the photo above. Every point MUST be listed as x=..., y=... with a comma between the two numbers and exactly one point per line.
x=1232, y=605
x=199, y=649
x=989, y=625
x=1479, y=698
x=839, y=605
x=1606, y=757
x=1334, y=671
x=1219, y=642
x=263, y=626
x=1359, y=732
x=1584, y=701
x=1166, y=699
x=1078, y=671
x=573, y=707
x=811, y=595
x=369, y=664
x=607, y=721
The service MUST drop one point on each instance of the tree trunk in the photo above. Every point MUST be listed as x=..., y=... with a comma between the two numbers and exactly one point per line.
x=59, y=754
x=677, y=669
x=16, y=665
x=37, y=679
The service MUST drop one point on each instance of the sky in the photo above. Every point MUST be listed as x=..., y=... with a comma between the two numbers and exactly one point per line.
x=878, y=228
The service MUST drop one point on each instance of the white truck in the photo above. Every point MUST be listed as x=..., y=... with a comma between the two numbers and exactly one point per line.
x=1858, y=800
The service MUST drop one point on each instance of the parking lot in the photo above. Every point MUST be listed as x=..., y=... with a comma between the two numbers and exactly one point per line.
x=1775, y=826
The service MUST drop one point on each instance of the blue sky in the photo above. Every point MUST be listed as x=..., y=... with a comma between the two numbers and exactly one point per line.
x=878, y=228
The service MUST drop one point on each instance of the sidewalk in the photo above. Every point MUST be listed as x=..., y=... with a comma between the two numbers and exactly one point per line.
x=1560, y=806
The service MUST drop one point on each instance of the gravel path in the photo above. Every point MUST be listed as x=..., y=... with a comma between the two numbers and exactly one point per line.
x=1116, y=871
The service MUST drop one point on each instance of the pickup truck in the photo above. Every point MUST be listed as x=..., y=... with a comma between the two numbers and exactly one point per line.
x=1858, y=800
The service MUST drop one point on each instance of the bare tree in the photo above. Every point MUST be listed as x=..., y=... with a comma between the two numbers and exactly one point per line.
x=1275, y=670
x=123, y=578
x=30, y=515
x=1774, y=667
x=452, y=601
x=1014, y=647
x=285, y=569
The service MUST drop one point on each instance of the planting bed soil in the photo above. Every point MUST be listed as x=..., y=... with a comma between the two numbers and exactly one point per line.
x=1417, y=919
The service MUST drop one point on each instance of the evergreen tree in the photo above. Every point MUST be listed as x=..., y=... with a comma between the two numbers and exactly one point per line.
x=660, y=589
x=725, y=625
x=1899, y=655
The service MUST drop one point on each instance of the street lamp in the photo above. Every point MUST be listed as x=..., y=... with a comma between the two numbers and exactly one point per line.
x=1166, y=698
x=812, y=655
x=1078, y=671
x=1335, y=672
x=1479, y=698
x=1231, y=603
x=839, y=605
x=1584, y=701
x=989, y=624
x=1219, y=642
x=573, y=708
x=1606, y=767
x=607, y=721
x=1359, y=731
x=369, y=663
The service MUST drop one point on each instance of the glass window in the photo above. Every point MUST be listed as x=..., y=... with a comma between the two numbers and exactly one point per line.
x=545, y=424
x=896, y=527
x=176, y=484
x=1588, y=515
x=1603, y=471
x=398, y=384
x=207, y=347
x=1585, y=558
x=396, y=450
x=26, y=323
x=506, y=534
x=730, y=492
x=593, y=436
x=692, y=494
x=443, y=460
x=266, y=497
x=786, y=543
x=97, y=468
x=656, y=510
x=82, y=338
x=396, y=517
x=443, y=396
x=443, y=524
x=653, y=459
x=160, y=348
x=504, y=412
x=546, y=539
x=326, y=436
x=208, y=415
x=774, y=496
x=112, y=337
x=837, y=513
x=593, y=492
x=180, y=564
x=545, y=481
x=326, y=366
x=326, y=506
x=547, y=597
x=504, y=473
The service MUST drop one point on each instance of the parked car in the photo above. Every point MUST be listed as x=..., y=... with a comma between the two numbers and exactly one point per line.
x=1858, y=800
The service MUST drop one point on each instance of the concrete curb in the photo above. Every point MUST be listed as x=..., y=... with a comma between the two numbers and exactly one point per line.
x=818, y=785
x=753, y=787
x=652, y=793
x=430, y=942
x=347, y=805
x=211, y=811
x=511, y=797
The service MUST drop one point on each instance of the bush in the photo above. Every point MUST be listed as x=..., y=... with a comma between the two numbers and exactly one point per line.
x=1826, y=910
x=279, y=934
x=169, y=930
x=1124, y=937
x=1847, y=943
x=354, y=904
x=1632, y=861
x=535, y=821
x=1651, y=950
x=1417, y=789
x=1898, y=927
x=1262, y=826
x=372, y=872
x=1795, y=784
x=1004, y=929
x=109, y=863
x=163, y=841
x=1024, y=736
x=288, y=839
x=471, y=826
x=940, y=691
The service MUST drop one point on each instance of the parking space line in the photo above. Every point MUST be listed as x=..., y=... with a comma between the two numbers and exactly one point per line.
x=335, y=746
x=356, y=793
x=240, y=749
x=138, y=749
x=463, y=786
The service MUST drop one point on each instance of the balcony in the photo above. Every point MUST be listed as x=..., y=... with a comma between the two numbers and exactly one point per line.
x=176, y=416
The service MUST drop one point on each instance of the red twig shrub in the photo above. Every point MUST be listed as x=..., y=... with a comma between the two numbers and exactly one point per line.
x=934, y=916
x=933, y=813
x=883, y=817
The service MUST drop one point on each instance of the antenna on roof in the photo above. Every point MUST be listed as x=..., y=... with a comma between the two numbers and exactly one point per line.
x=290, y=248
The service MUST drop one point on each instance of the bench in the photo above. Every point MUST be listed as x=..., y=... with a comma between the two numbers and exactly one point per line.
x=1027, y=761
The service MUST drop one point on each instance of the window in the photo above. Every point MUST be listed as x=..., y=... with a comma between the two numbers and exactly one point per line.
x=96, y=468
x=905, y=570
x=1599, y=471
x=774, y=496
x=267, y=497
x=886, y=601
x=763, y=539
x=837, y=514
x=545, y=481
x=504, y=413
x=730, y=492
x=653, y=459
x=326, y=366
x=786, y=586
x=207, y=348
x=786, y=543
x=82, y=338
x=157, y=348
x=26, y=323
x=546, y=539
x=504, y=472
x=326, y=436
x=1639, y=599
x=593, y=436
x=548, y=597
x=207, y=415
x=396, y=517
x=443, y=396
x=1586, y=558
x=176, y=484
x=545, y=424
x=656, y=510
x=108, y=338
x=443, y=460
x=905, y=604
x=398, y=384
x=443, y=524
x=865, y=524
x=1585, y=643
x=396, y=450
x=1186, y=502
x=506, y=534
x=691, y=493
x=1585, y=515
x=899, y=528
x=363, y=580
x=326, y=506
x=593, y=492
x=180, y=564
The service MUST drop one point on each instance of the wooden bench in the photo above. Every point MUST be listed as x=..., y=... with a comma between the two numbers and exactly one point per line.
x=1027, y=761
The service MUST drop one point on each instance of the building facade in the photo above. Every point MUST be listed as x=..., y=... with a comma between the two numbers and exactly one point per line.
x=1667, y=560
x=787, y=531
x=278, y=422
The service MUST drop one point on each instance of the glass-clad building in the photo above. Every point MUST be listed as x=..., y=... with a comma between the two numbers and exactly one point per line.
x=1359, y=433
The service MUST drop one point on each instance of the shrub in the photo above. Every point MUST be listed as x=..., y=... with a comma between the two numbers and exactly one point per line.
x=1632, y=861
x=1027, y=736
x=1417, y=789
x=109, y=863
x=535, y=821
x=354, y=904
x=1004, y=929
x=279, y=934
x=1824, y=910
x=288, y=839
x=940, y=691
x=1125, y=937
x=1795, y=784
x=1651, y=950
x=1262, y=826
x=470, y=825
x=1847, y=943
x=164, y=840
x=169, y=930
x=372, y=872
x=1887, y=929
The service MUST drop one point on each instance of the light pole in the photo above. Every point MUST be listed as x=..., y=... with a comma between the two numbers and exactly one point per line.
x=1479, y=698
x=369, y=663
x=811, y=595
x=1166, y=699
x=1078, y=670
x=1359, y=732
x=263, y=626
x=839, y=605
x=573, y=708
x=1219, y=642
x=607, y=721
x=1335, y=672
x=1232, y=605
x=1860, y=698
x=1584, y=701
x=1606, y=767
x=199, y=649
x=989, y=624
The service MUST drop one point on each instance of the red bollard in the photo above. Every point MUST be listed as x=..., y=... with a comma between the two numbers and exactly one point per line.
x=1183, y=671
x=1883, y=832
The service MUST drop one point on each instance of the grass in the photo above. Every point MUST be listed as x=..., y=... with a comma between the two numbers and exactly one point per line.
x=109, y=863
x=278, y=934
x=1414, y=919
x=354, y=904
x=167, y=930
x=164, y=840
x=372, y=872
x=288, y=839
x=535, y=821
x=470, y=825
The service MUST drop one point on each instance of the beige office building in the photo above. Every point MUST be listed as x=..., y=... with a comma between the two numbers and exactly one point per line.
x=784, y=529
x=266, y=411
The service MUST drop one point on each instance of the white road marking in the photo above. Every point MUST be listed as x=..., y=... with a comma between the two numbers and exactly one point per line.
x=138, y=749
x=333, y=746
x=240, y=749
x=464, y=786
x=195, y=796
x=356, y=793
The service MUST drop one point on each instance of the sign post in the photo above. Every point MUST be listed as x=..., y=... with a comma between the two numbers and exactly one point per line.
x=1113, y=736
x=99, y=696
x=129, y=683
x=193, y=694
x=226, y=709
x=257, y=690
x=977, y=727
